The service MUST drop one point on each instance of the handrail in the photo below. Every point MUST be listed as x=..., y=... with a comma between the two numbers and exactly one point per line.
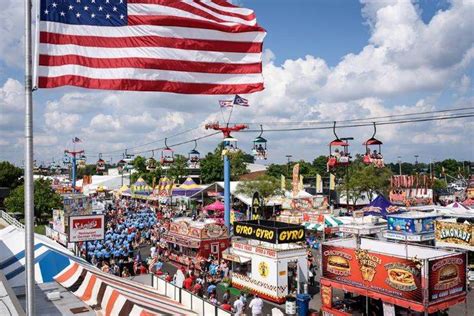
x=11, y=220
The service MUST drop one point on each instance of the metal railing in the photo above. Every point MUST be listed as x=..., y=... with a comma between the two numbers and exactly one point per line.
x=11, y=220
x=195, y=303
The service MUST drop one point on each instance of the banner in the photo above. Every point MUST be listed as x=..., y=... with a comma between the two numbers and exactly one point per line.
x=301, y=185
x=447, y=277
x=295, y=183
x=270, y=231
x=86, y=228
x=257, y=211
x=389, y=275
x=319, y=184
x=326, y=295
x=332, y=182
x=283, y=183
x=454, y=234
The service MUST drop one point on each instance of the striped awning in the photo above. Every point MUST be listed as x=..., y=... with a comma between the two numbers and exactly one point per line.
x=116, y=296
x=329, y=222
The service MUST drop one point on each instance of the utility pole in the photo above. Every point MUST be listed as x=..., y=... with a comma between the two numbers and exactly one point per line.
x=400, y=165
x=226, y=130
x=288, y=165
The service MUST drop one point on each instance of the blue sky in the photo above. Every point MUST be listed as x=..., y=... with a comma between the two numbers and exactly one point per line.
x=324, y=60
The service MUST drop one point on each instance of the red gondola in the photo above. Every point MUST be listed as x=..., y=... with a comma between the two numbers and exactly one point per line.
x=373, y=157
x=167, y=155
x=338, y=152
x=100, y=165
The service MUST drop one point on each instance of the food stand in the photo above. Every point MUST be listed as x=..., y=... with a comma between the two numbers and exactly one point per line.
x=399, y=276
x=275, y=260
x=411, y=226
x=193, y=241
x=360, y=225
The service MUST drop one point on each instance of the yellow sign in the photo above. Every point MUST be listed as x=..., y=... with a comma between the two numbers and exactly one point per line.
x=263, y=269
x=457, y=234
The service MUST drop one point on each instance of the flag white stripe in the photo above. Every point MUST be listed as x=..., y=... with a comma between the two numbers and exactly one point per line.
x=156, y=9
x=69, y=282
x=150, y=52
x=82, y=288
x=148, y=74
x=117, y=307
x=241, y=11
x=95, y=291
x=223, y=17
x=151, y=30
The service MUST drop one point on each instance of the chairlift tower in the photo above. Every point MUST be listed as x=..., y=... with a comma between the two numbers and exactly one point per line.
x=226, y=131
x=74, y=154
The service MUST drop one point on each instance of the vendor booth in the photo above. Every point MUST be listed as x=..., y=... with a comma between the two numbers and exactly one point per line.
x=411, y=226
x=274, y=264
x=360, y=225
x=193, y=241
x=382, y=207
x=384, y=275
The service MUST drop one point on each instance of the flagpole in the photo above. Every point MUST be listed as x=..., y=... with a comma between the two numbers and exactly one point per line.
x=28, y=176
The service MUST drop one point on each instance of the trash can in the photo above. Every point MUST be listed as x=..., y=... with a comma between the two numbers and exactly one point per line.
x=290, y=306
x=303, y=304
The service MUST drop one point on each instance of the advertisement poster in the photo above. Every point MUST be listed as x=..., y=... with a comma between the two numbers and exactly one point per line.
x=262, y=230
x=59, y=222
x=411, y=225
x=447, y=277
x=392, y=276
x=85, y=228
x=454, y=234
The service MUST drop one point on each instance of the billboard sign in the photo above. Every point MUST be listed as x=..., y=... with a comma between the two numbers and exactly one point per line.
x=270, y=231
x=388, y=275
x=454, y=234
x=447, y=277
x=86, y=228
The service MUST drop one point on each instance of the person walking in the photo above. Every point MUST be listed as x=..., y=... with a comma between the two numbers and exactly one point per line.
x=256, y=305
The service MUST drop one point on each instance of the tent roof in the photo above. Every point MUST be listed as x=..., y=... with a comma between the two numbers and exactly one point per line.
x=380, y=206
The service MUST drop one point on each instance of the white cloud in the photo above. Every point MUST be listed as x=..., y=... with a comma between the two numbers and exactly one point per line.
x=61, y=122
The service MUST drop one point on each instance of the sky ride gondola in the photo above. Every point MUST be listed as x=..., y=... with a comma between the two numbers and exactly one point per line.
x=81, y=161
x=167, y=155
x=151, y=162
x=194, y=157
x=230, y=145
x=100, y=165
x=373, y=157
x=66, y=159
x=259, y=149
x=338, y=152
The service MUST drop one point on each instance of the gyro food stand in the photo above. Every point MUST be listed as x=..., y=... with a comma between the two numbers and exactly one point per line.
x=395, y=276
x=193, y=241
x=277, y=262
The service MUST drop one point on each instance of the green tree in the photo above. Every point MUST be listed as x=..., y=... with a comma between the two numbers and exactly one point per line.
x=275, y=170
x=365, y=179
x=179, y=168
x=267, y=186
x=10, y=175
x=140, y=171
x=439, y=184
x=45, y=200
x=320, y=166
x=88, y=170
x=212, y=166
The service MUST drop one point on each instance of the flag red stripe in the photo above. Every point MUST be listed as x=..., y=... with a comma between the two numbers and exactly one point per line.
x=224, y=3
x=249, y=17
x=148, y=85
x=151, y=41
x=150, y=63
x=165, y=20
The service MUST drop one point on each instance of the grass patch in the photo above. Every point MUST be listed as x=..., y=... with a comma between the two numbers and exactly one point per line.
x=40, y=229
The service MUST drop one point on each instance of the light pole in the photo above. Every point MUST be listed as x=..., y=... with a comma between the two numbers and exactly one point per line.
x=416, y=163
x=226, y=130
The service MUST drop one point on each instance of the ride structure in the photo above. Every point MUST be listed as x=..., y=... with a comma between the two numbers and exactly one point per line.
x=100, y=165
x=75, y=155
x=194, y=157
x=373, y=157
x=167, y=155
x=338, y=151
x=151, y=162
x=259, y=149
x=230, y=146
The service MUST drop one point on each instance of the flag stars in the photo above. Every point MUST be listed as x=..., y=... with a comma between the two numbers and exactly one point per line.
x=86, y=8
x=93, y=15
x=62, y=13
x=122, y=16
x=107, y=16
x=78, y=15
x=46, y=11
x=92, y=1
x=100, y=8
x=71, y=7
x=54, y=4
x=114, y=8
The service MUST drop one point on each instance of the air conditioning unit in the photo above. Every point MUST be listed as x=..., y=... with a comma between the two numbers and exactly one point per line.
x=53, y=296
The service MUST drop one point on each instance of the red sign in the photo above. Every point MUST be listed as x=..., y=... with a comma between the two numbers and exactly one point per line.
x=392, y=276
x=447, y=277
x=326, y=295
x=86, y=228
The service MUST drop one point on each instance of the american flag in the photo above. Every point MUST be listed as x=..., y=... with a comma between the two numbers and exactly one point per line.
x=194, y=47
